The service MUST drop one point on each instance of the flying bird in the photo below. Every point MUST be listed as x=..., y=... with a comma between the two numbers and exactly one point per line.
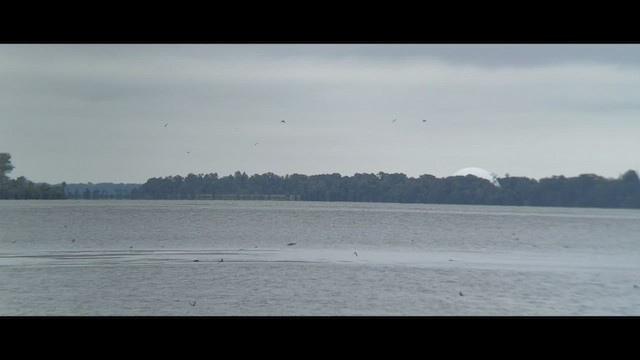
x=423, y=120
x=355, y=253
x=282, y=121
x=254, y=144
x=192, y=303
x=460, y=292
x=165, y=125
x=188, y=152
x=394, y=120
x=221, y=260
x=291, y=244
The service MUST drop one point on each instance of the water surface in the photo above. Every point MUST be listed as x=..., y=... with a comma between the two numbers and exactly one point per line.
x=158, y=257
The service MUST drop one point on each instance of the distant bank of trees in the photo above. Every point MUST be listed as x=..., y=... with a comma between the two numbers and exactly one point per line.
x=21, y=188
x=586, y=190
x=91, y=191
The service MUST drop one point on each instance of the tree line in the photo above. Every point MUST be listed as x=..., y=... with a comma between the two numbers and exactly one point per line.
x=586, y=190
x=21, y=188
x=91, y=191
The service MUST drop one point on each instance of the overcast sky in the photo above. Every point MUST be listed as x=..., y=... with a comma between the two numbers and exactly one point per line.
x=97, y=112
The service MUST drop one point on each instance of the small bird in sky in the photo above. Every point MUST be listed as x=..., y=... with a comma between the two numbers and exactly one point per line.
x=14, y=241
x=192, y=303
x=355, y=253
x=188, y=152
x=461, y=294
x=73, y=240
x=423, y=120
x=254, y=144
x=221, y=260
x=165, y=125
x=282, y=121
x=394, y=120
x=291, y=244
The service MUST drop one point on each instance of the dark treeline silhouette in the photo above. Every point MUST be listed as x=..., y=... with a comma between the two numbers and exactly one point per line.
x=99, y=191
x=21, y=188
x=586, y=190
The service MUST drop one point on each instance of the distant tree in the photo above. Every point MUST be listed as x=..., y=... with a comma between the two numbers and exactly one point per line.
x=631, y=178
x=517, y=191
x=5, y=166
x=629, y=189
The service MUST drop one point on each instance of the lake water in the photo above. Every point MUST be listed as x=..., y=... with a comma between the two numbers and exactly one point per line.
x=160, y=258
